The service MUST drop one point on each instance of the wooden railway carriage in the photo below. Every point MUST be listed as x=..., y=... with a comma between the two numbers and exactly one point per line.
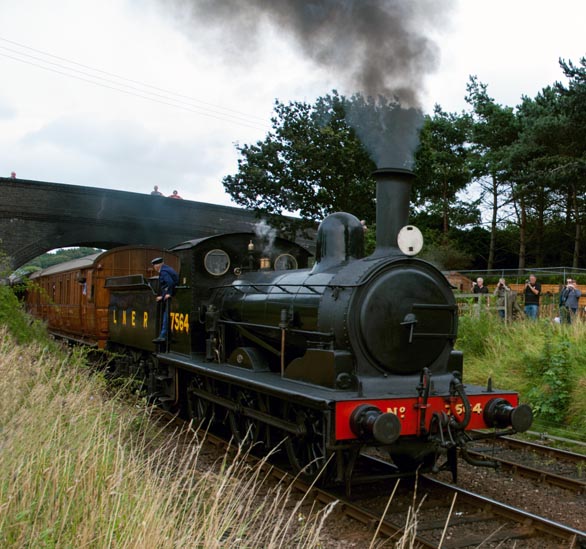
x=72, y=296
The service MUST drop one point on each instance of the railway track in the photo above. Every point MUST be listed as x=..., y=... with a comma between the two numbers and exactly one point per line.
x=447, y=516
x=545, y=464
x=430, y=512
x=496, y=522
x=452, y=517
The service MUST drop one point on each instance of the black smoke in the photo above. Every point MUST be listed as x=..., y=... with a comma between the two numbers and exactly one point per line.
x=378, y=48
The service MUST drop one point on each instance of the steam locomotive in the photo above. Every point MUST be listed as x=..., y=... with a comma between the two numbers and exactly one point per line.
x=353, y=352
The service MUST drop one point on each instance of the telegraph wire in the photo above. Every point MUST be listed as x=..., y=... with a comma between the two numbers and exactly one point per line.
x=143, y=84
x=209, y=110
x=239, y=114
x=142, y=96
x=117, y=86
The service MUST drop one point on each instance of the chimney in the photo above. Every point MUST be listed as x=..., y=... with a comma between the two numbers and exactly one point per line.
x=393, y=186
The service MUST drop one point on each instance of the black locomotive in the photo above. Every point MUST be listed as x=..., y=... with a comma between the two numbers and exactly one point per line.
x=355, y=351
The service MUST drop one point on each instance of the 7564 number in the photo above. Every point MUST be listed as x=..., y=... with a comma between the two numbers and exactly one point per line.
x=459, y=409
x=180, y=322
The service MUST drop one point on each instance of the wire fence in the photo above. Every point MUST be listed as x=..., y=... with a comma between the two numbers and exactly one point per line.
x=511, y=305
x=518, y=276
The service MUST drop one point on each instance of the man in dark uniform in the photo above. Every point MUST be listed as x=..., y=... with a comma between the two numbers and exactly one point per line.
x=168, y=280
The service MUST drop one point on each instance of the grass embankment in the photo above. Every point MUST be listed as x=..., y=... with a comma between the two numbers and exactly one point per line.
x=81, y=468
x=543, y=360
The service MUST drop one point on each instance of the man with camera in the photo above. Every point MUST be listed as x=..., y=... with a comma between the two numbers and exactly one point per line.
x=569, y=299
x=532, y=293
x=478, y=287
x=502, y=291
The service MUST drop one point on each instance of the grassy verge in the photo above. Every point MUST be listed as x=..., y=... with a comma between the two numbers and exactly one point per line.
x=78, y=468
x=545, y=361
x=81, y=468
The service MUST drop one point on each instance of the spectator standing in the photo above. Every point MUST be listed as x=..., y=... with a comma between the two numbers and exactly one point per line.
x=156, y=192
x=13, y=175
x=478, y=287
x=532, y=293
x=502, y=292
x=569, y=299
x=175, y=195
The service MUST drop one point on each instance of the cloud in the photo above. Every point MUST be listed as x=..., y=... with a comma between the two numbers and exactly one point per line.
x=126, y=155
x=110, y=140
x=6, y=110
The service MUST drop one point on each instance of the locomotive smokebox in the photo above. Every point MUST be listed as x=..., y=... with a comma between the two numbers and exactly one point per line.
x=393, y=187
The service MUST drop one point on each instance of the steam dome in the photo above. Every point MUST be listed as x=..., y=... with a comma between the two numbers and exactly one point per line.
x=340, y=238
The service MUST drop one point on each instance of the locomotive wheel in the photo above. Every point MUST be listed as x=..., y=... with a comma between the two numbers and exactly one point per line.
x=307, y=453
x=198, y=408
x=245, y=430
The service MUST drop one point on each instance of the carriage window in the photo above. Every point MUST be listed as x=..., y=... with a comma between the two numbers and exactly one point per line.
x=217, y=262
x=285, y=262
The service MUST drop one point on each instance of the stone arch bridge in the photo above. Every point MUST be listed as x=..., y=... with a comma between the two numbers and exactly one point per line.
x=37, y=216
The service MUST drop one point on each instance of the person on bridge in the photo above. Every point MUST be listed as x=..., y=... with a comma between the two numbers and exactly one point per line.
x=168, y=280
x=175, y=195
x=156, y=192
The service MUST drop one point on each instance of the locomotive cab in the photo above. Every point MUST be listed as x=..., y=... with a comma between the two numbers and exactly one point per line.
x=215, y=264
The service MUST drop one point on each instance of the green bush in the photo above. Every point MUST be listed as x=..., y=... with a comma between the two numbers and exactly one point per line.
x=543, y=361
x=22, y=327
x=552, y=372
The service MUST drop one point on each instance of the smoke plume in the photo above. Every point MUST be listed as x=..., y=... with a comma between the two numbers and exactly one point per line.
x=266, y=234
x=378, y=48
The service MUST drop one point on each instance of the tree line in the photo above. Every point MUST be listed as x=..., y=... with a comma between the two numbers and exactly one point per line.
x=496, y=186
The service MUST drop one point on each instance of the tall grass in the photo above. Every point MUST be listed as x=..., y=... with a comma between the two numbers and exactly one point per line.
x=543, y=360
x=79, y=469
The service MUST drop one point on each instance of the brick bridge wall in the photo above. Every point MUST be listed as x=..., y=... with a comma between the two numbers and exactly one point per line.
x=37, y=216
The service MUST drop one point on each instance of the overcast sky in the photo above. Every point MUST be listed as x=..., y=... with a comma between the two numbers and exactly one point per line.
x=126, y=94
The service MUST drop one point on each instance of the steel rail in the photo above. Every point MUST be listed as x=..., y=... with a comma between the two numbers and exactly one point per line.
x=542, y=449
x=568, y=482
x=541, y=475
x=528, y=523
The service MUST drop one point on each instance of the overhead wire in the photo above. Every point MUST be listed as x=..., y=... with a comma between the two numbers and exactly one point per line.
x=160, y=95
